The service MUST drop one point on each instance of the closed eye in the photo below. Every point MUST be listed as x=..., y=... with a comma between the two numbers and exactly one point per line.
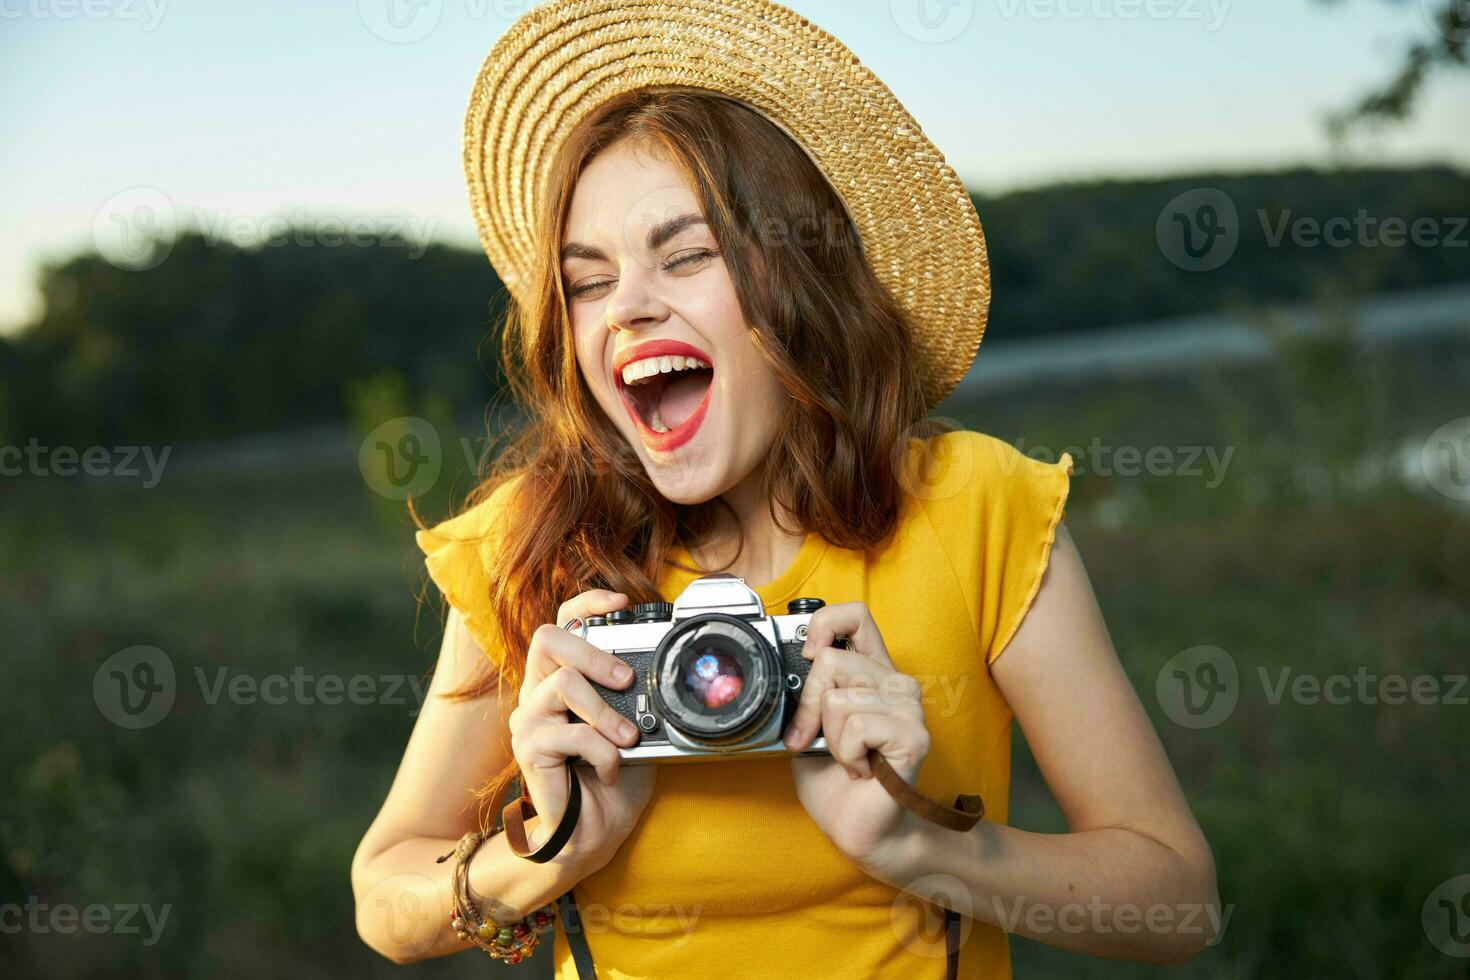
x=685, y=260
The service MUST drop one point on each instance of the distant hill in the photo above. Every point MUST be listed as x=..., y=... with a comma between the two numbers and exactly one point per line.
x=218, y=340
x=1068, y=257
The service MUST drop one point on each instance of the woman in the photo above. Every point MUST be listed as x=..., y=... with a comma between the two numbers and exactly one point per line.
x=730, y=320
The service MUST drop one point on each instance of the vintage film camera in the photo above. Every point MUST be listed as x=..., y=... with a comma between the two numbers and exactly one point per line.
x=714, y=677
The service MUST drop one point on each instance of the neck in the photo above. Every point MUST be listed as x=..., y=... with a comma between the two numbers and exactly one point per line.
x=764, y=549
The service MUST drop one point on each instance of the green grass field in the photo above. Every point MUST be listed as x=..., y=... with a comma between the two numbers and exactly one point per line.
x=1331, y=824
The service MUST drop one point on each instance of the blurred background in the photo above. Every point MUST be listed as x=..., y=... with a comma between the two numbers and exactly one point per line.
x=243, y=318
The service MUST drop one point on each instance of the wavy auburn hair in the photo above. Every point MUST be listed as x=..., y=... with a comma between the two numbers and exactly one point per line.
x=582, y=513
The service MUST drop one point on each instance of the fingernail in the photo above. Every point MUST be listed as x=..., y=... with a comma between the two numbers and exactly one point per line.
x=853, y=774
x=622, y=673
x=626, y=729
x=793, y=736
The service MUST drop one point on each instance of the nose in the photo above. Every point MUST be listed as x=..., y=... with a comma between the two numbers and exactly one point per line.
x=634, y=303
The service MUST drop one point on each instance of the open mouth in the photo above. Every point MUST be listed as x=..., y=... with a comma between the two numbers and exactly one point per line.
x=666, y=394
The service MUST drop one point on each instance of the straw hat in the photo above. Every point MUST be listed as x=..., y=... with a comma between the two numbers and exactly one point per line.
x=562, y=59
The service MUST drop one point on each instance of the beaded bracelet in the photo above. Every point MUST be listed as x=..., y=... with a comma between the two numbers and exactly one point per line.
x=509, y=940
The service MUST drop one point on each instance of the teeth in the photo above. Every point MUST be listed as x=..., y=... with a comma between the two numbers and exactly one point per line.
x=657, y=423
x=649, y=366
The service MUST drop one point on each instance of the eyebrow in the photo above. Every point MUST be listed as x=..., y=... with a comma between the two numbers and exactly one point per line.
x=657, y=236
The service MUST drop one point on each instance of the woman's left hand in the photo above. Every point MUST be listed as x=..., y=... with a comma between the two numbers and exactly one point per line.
x=858, y=700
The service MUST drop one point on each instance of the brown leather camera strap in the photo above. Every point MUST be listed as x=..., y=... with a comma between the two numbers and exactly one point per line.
x=964, y=815
x=515, y=815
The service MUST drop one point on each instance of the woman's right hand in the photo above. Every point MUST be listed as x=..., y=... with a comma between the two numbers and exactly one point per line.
x=559, y=665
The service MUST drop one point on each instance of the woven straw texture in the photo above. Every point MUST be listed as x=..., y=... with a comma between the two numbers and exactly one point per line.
x=562, y=59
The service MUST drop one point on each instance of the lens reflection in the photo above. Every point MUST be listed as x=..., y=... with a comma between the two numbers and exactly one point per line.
x=713, y=678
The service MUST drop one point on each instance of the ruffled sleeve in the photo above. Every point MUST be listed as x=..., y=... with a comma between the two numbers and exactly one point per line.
x=457, y=555
x=996, y=511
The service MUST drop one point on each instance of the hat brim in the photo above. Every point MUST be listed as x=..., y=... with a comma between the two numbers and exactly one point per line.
x=561, y=60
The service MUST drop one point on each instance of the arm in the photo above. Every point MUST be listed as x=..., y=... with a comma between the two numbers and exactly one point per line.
x=1132, y=841
x=403, y=898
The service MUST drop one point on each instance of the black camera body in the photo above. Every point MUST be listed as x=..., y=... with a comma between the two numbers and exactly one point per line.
x=714, y=677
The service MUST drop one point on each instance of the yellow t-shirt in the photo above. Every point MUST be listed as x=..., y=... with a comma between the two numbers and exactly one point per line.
x=725, y=873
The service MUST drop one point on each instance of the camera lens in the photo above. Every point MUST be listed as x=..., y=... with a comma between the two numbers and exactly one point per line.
x=715, y=678
x=712, y=677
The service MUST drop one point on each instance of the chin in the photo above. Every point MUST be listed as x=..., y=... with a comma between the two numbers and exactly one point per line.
x=683, y=484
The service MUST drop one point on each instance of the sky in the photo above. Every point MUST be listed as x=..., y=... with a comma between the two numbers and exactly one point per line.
x=228, y=114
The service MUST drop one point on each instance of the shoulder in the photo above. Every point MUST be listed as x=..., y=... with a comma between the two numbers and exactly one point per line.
x=995, y=513
x=457, y=555
x=972, y=471
x=477, y=523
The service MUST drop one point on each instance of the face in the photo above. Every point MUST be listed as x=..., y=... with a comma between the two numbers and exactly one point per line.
x=660, y=338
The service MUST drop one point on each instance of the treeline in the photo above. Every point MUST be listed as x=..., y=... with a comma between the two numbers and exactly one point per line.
x=217, y=340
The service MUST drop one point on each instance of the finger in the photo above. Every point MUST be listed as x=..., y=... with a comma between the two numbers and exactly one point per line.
x=900, y=741
x=841, y=703
x=593, y=602
x=553, y=648
x=549, y=747
x=849, y=619
x=830, y=668
x=567, y=690
x=837, y=705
